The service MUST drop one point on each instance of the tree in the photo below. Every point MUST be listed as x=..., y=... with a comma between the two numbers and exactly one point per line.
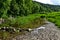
x=20, y=7
x=36, y=8
x=4, y=7
x=14, y=9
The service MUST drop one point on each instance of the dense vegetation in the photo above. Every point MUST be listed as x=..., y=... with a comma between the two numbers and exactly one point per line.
x=54, y=17
x=15, y=7
x=16, y=13
x=19, y=13
x=45, y=8
x=24, y=7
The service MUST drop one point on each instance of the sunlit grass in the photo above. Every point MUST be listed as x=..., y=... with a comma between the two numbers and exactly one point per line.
x=30, y=21
x=54, y=17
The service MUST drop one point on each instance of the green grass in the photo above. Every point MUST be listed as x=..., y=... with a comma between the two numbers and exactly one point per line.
x=30, y=21
x=23, y=22
x=54, y=17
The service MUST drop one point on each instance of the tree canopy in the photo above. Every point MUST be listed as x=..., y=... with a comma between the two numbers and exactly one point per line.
x=24, y=7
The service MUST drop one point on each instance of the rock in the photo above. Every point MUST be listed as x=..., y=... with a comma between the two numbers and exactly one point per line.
x=30, y=29
x=41, y=28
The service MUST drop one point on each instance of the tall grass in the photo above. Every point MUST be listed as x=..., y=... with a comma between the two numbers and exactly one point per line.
x=23, y=22
x=30, y=21
x=54, y=17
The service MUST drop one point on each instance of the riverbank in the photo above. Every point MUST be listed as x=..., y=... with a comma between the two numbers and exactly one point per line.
x=51, y=32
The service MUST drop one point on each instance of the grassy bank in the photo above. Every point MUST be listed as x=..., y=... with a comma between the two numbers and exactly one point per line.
x=54, y=17
x=30, y=21
x=23, y=22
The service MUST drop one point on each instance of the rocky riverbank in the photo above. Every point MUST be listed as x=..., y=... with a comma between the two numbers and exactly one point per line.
x=47, y=32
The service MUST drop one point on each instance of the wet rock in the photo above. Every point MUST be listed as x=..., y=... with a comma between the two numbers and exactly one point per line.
x=8, y=29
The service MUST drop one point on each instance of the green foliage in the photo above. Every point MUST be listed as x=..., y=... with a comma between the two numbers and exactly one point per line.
x=4, y=6
x=54, y=17
x=21, y=14
x=23, y=22
x=35, y=8
x=25, y=7
x=20, y=7
x=46, y=8
x=14, y=9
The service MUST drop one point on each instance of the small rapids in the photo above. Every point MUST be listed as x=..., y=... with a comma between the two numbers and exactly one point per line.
x=36, y=31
